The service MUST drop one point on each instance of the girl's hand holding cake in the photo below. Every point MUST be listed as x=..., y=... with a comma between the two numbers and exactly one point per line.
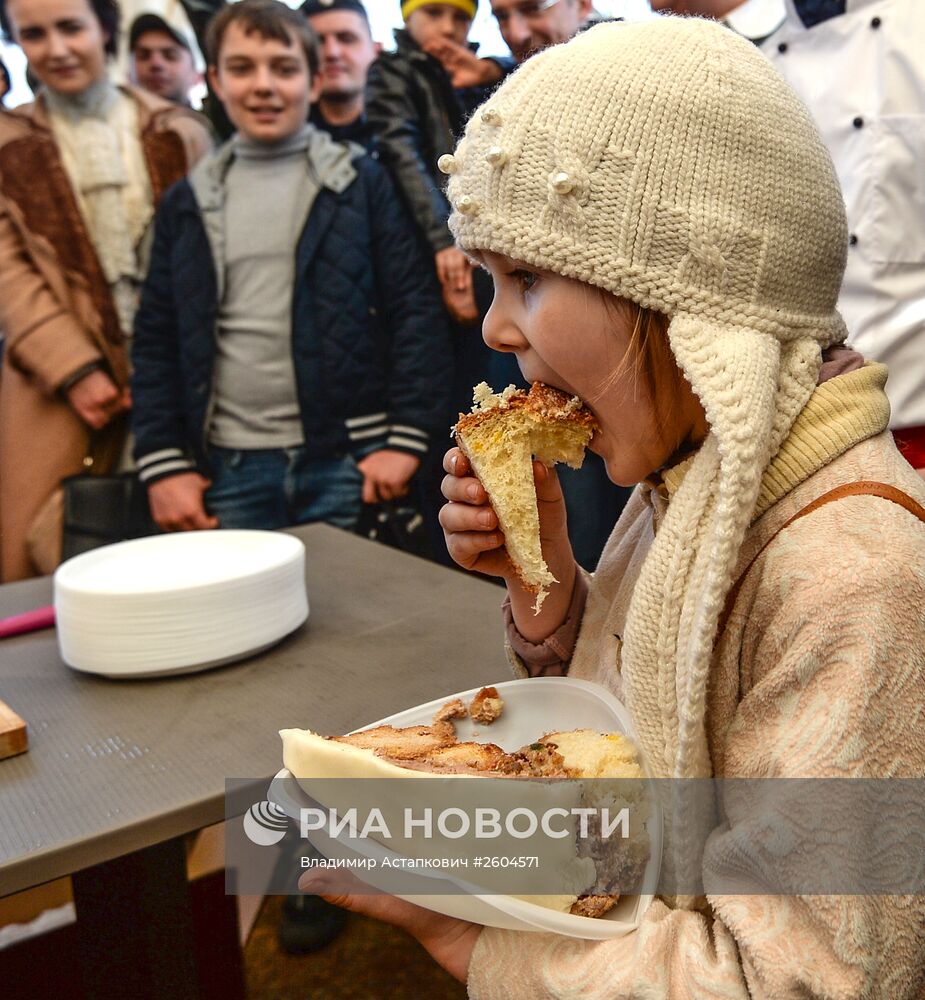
x=475, y=541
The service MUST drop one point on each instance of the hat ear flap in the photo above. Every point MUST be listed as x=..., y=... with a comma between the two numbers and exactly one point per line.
x=751, y=388
x=734, y=372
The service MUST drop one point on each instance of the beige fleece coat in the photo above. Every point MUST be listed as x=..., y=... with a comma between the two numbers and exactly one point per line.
x=56, y=309
x=820, y=671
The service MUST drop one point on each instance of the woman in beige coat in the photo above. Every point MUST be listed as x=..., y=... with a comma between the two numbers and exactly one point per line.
x=81, y=171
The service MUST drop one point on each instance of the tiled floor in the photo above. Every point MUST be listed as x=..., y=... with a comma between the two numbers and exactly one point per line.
x=369, y=961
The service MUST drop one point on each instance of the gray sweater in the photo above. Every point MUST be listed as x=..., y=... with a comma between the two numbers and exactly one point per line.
x=269, y=192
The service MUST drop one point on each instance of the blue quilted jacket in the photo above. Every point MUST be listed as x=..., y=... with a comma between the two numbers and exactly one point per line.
x=370, y=343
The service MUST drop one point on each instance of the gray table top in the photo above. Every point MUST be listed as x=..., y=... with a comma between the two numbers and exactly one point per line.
x=115, y=766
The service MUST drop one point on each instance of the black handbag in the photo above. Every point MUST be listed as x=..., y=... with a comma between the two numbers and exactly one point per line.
x=398, y=524
x=99, y=510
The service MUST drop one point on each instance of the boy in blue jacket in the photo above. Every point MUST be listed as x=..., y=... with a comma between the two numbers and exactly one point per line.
x=291, y=355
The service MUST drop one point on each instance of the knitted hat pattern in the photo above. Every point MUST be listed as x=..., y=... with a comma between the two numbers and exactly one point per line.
x=667, y=162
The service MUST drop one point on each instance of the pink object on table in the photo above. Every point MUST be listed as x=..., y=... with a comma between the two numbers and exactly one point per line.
x=28, y=621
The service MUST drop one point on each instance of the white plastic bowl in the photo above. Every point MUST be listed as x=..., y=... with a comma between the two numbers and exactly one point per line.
x=531, y=707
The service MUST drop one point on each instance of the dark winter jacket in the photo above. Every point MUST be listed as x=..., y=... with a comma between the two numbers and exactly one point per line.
x=417, y=116
x=357, y=131
x=370, y=344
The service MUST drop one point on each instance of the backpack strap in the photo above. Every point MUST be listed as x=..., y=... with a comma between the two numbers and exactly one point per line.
x=864, y=488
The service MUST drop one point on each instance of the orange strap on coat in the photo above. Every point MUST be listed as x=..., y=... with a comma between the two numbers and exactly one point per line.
x=864, y=488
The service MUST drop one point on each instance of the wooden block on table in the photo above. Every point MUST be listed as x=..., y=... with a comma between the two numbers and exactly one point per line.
x=13, y=737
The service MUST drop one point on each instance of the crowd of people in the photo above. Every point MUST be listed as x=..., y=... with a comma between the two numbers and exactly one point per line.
x=269, y=312
x=257, y=361
x=283, y=341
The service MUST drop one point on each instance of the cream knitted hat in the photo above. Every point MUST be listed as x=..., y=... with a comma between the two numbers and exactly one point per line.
x=667, y=162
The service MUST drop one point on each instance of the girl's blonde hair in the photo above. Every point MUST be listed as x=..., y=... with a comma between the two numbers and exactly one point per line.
x=648, y=355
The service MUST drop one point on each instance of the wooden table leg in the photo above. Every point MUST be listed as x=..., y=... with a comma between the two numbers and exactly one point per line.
x=135, y=927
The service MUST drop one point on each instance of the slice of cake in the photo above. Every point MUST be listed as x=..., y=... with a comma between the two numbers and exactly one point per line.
x=501, y=436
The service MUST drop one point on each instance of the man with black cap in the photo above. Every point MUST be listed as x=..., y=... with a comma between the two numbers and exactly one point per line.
x=347, y=52
x=162, y=60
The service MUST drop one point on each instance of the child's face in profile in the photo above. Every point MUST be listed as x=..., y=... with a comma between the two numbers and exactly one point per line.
x=563, y=333
x=438, y=22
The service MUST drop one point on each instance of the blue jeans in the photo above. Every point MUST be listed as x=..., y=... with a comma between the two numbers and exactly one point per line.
x=279, y=487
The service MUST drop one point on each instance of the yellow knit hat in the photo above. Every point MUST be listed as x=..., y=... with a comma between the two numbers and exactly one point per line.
x=469, y=7
x=668, y=163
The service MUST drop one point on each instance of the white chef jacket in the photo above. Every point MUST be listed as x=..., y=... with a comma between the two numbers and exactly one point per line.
x=756, y=19
x=862, y=74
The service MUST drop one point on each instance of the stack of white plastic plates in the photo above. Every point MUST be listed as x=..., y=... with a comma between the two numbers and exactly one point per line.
x=181, y=602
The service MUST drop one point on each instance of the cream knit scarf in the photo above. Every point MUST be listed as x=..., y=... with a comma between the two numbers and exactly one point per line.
x=98, y=137
x=682, y=586
x=680, y=593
